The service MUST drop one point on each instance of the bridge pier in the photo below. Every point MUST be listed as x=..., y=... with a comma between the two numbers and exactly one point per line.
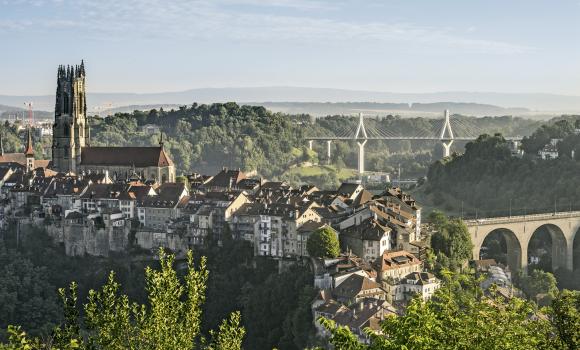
x=524, y=261
x=559, y=247
x=310, y=143
x=570, y=255
x=446, y=148
x=328, y=143
x=361, y=157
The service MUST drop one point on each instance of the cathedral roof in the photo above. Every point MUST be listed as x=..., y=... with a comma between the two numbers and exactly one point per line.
x=139, y=157
x=19, y=158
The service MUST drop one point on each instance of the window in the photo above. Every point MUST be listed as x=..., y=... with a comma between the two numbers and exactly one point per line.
x=65, y=104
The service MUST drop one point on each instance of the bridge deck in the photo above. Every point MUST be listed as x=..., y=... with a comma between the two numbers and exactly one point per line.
x=399, y=138
x=521, y=218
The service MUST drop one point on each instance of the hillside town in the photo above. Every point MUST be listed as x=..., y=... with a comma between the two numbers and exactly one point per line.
x=383, y=242
x=106, y=201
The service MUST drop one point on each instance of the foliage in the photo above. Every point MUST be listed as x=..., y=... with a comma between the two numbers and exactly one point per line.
x=486, y=181
x=170, y=320
x=451, y=241
x=323, y=243
x=537, y=283
x=458, y=317
x=225, y=286
x=558, y=130
x=27, y=297
x=565, y=315
x=208, y=137
x=277, y=312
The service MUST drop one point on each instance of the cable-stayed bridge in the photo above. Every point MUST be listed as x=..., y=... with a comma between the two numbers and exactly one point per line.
x=445, y=130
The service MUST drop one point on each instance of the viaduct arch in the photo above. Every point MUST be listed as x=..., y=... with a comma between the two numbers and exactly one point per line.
x=518, y=231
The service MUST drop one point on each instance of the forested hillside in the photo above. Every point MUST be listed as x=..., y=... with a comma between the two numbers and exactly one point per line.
x=204, y=138
x=275, y=307
x=486, y=180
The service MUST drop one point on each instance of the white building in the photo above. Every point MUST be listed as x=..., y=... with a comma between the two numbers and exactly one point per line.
x=550, y=150
x=416, y=283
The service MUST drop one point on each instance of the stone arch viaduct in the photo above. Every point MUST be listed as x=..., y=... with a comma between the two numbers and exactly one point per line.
x=518, y=231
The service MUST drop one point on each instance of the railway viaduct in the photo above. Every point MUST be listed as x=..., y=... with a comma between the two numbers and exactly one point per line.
x=518, y=230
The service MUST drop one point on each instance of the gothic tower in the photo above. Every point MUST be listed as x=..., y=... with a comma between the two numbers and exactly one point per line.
x=70, y=131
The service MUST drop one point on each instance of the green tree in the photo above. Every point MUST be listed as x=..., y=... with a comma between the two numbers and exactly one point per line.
x=27, y=297
x=170, y=320
x=451, y=241
x=323, y=243
x=565, y=315
x=537, y=283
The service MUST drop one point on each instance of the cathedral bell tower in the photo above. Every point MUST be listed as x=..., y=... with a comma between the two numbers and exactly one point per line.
x=70, y=129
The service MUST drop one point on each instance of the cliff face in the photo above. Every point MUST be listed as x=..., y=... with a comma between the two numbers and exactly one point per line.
x=95, y=236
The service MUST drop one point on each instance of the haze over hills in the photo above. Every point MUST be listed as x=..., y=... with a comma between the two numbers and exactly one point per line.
x=307, y=100
x=4, y=108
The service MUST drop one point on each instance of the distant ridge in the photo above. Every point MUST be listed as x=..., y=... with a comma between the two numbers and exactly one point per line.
x=278, y=94
x=4, y=108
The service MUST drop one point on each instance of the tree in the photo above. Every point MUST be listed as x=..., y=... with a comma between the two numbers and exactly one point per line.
x=537, y=283
x=27, y=297
x=565, y=315
x=323, y=243
x=170, y=320
x=451, y=241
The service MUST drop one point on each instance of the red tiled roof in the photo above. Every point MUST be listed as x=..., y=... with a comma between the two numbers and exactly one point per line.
x=125, y=156
x=19, y=158
x=397, y=259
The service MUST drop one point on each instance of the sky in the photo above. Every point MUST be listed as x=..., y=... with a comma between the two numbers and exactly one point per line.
x=377, y=45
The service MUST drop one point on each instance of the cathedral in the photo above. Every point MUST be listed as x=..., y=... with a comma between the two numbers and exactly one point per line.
x=71, y=149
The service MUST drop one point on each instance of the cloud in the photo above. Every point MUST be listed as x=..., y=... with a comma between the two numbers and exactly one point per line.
x=288, y=21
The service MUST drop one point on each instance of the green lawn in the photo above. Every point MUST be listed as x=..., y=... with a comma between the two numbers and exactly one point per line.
x=317, y=170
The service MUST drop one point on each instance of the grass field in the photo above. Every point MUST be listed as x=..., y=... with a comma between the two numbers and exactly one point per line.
x=317, y=170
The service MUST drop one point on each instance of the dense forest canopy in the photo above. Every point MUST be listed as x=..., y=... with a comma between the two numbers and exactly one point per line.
x=487, y=179
x=205, y=138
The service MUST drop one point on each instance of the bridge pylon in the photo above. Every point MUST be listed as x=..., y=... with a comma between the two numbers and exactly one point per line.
x=361, y=157
x=361, y=134
x=446, y=135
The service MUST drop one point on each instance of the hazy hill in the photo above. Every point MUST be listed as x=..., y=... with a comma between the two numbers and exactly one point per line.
x=100, y=101
x=403, y=109
x=4, y=108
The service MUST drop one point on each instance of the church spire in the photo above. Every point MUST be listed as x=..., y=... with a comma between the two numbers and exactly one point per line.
x=29, y=151
x=161, y=140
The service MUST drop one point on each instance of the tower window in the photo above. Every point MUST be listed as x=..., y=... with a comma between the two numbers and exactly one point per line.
x=81, y=100
x=65, y=109
x=66, y=130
